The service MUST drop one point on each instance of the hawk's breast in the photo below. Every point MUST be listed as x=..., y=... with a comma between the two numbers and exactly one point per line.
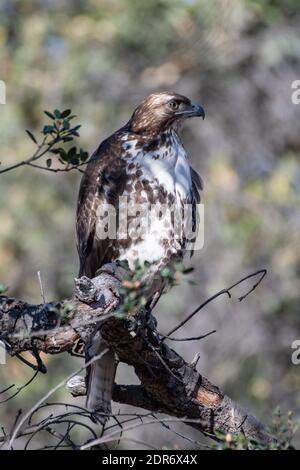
x=158, y=186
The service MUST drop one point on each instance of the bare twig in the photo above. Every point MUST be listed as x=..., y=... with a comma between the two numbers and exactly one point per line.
x=36, y=156
x=112, y=436
x=57, y=170
x=48, y=394
x=191, y=338
x=227, y=290
x=41, y=287
x=19, y=389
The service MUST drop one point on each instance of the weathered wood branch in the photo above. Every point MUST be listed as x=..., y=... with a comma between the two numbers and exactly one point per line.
x=168, y=384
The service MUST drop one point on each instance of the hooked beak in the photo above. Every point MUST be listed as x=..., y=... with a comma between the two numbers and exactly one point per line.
x=192, y=110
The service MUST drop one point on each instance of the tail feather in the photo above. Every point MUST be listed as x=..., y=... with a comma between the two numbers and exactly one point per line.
x=100, y=380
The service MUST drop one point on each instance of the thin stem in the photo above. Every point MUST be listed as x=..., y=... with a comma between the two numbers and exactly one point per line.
x=33, y=158
x=263, y=273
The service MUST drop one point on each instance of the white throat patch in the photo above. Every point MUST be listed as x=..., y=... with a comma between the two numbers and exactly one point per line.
x=167, y=165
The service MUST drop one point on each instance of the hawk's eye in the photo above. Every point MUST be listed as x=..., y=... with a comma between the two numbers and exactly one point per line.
x=174, y=105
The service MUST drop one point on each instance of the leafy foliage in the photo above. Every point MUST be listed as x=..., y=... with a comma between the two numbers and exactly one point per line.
x=3, y=289
x=60, y=131
x=135, y=286
x=283, y=429
x=64, y=311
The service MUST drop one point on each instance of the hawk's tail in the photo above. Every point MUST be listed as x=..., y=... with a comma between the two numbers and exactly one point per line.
x=100, y=380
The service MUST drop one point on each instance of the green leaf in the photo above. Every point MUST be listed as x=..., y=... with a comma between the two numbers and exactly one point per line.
x=75, y=160
x=187, y=270
x=72, y=152
x=83, y=155
x=47, y=129
x=166, y=272
x=191, y=282
x=49, y=162
x=124, y=264
x=65, y=113
x=63, y=154
x=50, y=115
x=57, y=114
x=30, y=134
x=66, y=124
x=3, y=289
x=74, y=130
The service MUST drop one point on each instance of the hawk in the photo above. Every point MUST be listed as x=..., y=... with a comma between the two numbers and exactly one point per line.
x=143, y=164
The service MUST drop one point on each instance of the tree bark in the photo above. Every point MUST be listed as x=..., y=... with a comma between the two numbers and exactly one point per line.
x=168, y=384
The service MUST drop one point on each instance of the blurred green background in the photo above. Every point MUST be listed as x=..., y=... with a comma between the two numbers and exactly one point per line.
x=238, y=58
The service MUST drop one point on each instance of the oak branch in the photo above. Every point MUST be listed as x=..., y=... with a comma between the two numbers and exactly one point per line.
x=168, y=384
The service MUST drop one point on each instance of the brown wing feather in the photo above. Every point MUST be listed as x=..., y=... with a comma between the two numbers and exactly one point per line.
x=197, y=186
x=104, y=180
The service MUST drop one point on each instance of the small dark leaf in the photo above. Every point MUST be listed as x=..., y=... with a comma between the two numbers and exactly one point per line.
x=166, y=272
x=63, y=154
x=187, y=270
x=72, y=152
x=31, y=136
x=50, y=115
x=3, y=289
x=66, y=124
x=57, y=114
x=49, y=162
x=67, y=139
x=65, y=113
x=55, y=151
x=75, y=129
x=84, y=155
x=47, y=129
x=74, y=160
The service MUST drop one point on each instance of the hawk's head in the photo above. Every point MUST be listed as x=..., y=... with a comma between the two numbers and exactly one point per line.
x=159, y=111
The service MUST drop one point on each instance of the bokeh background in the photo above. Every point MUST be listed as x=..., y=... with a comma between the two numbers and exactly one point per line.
x=238, y=58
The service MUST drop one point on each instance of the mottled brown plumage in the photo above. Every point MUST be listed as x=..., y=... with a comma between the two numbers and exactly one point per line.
x=112, y=172
x=145, y=164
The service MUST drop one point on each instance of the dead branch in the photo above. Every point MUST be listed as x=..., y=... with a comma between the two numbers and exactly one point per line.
x=168, y=384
